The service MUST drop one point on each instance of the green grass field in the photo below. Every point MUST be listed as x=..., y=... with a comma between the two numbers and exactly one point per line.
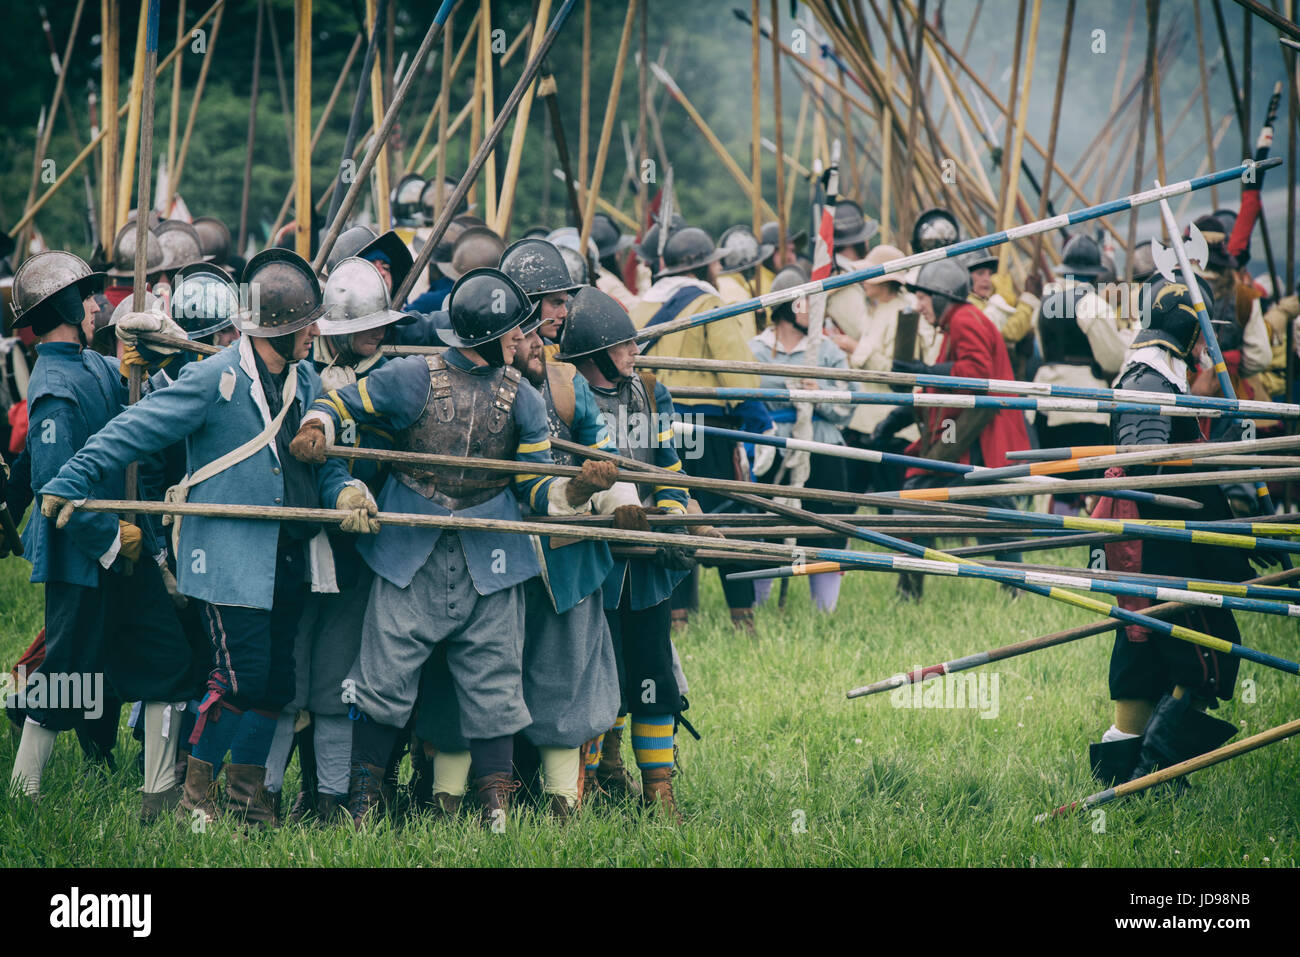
x=789, y=773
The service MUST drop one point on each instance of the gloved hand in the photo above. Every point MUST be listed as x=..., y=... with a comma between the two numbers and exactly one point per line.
x=596, y=476
x=631, y=518
x=1034, y=285
x=309, y=444
x=910, y=366
x=58, y=509
x=708, y=531
x=130, y=327
x=1004, y=287
x=764, y=457
x=361, y=511
x=173, y=590
x=674, y=557
x=897, y=420
x=132, y=539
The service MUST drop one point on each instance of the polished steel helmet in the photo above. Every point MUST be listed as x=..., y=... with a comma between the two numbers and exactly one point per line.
x=284, y=295
x=46, y=274
x=356, y=299
x=123, y=266
x=204, y=299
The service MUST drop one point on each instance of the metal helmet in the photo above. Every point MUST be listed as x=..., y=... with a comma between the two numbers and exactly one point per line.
x=596, y=322
x=576, y=263
x=851, y=226
x=1108, y=272
x=390, y=247
x=1081, y=258
x=214, y=238
x=405, y=200
x=356, y=298
x=606, y=235
x=435, y=193
x=741, y=249
x=484, y=305
x=789, y=277
x=770, y=235
x=979, y=259
x=123, y=266
x=43, y=276
x=944, y=278
x=689, y=249
x=284, y=295
x=124, y=308
x=1168, y=315
x=478, y=247
x=181, y=244
x=538, y=267
x=204, y=299
x=350, y=242
x=1144, y=264
x=934, y=228
x=1227, y=219
x=648, y=251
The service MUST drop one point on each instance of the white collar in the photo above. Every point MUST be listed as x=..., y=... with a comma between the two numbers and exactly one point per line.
x=666, y=288
x=1161, y=360
x=768, y=338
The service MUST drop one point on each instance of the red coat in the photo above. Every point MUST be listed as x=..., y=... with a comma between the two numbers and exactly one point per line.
x=975, y=347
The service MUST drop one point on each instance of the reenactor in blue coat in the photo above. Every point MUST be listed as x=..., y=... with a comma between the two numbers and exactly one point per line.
x=106, y=607
x=237, y=411
x=460, y=589
x=599, y=339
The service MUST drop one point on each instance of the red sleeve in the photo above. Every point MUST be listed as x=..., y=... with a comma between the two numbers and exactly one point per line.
x=971, y=351
x=1239, y=241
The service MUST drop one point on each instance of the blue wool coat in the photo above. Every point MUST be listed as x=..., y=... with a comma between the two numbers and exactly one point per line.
x=73, y=393
x=214, y=406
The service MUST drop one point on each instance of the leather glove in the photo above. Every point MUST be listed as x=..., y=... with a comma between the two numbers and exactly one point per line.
x=361, y=511
x=309, y=444
x=595, y=477
x=895, y=422
x=133, y=324
x=1034, y=285
x=58, y=509
x=674, y=557
x=708, y=531
x=132, y=539
x=173, y=590
x=910, y=366
x=631, y=518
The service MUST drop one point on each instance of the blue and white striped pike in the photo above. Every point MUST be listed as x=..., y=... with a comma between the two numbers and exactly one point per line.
x=771, y=299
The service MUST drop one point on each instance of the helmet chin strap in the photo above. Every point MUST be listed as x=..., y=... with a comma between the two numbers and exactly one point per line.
x=606, y=366
x=283, y=345
x=491, y=353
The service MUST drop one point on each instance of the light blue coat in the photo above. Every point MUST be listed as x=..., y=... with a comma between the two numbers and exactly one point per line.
x=214, y=406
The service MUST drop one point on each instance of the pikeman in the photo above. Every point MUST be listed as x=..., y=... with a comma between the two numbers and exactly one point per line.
x=685, y=287
x=461, y=589
x=610, y=244
x=236, y=412
x=994, y=294
x=100, y=619
x=735, y=281
x=1161, y=685
x=357, y=316
x=122, y=267
x=570, y=674
x=600, y=340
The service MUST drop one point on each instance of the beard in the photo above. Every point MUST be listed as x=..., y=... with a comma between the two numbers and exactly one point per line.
x=531, y=367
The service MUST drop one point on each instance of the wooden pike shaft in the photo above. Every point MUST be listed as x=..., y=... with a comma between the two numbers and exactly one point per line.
x=966, y=662
x=1174, y=771
x=383, y=214
x=130, y=144
x=450, y=68
x=242, y=242
x=607, y=127
x=174, y=172
x=755, y=127
x=302, y=127
x=782, y=225
x=584, y=101
x=173, y=121
x=107, y=133
x=516, y=155
x=444, y=99
x=110, y=21
x=489, y=112
x=1044, y=196
x=436, y=152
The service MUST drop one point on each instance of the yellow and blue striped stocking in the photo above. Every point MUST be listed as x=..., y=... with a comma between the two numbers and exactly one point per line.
x=652, y=740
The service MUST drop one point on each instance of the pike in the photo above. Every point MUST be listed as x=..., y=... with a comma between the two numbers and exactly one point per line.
x=952, y=401
x=354, y=119
x=1174, y=771
x=362, y=176
x=980, y=658
x=771, y=299
x=480, y=156
x=1281, y=410
x=914, y=551
x=857, y=454
x=1203, y=318
x=1204, y=452
x=1010, y=576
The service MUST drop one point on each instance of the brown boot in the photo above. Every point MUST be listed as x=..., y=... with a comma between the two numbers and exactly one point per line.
x=304, y=805
x=364, y=791
x=561, y=808
x=493, y=792
x=153, y=806
x=658, y=792
x=742, y=619
x=329, y=809
x=249, y=799
x=199, y=794
x=612, y=776
x=445, y=807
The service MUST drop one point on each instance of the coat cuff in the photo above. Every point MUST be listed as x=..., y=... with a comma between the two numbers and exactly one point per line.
x=107, y=559
x=622, y=493
x=557, y=503
x=326, y=422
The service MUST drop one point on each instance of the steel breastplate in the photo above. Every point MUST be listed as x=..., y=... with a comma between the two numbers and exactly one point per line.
x=464, y=415
x=557, y=426
x=628, y=418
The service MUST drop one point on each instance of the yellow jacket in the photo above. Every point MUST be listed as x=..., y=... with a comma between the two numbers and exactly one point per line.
x=723, y=339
